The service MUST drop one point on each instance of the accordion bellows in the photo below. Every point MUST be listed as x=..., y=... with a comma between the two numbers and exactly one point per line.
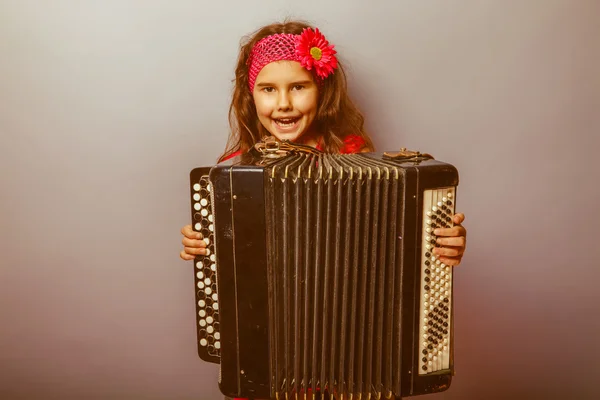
x=320, y=276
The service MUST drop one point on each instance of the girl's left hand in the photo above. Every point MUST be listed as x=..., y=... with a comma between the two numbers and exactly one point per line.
x=452, y=241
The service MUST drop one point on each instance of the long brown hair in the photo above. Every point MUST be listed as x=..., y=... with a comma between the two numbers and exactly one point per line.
x=337, y=116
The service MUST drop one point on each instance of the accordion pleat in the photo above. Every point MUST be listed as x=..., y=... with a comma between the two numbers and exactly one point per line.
x=333, y=279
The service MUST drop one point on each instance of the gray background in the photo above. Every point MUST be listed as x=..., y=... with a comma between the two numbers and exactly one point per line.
x=105, y=106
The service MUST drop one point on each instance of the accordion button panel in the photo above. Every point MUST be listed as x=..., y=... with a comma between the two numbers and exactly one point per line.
x=436, y=285
x=206, y=276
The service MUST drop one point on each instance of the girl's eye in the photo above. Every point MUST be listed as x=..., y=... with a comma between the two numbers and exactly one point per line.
x=298, y=87
x=268, y=89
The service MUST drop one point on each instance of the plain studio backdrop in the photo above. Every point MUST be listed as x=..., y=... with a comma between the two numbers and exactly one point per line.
x=105, y=107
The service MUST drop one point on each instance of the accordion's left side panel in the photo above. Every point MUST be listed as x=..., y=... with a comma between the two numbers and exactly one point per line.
x=205, y=272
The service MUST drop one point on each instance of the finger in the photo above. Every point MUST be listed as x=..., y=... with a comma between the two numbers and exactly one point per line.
x=448, y=251
x=199, y=251
x=454, y=231
x=187, y=257
x=456, y=241
x=458, y=218
x=451, y=261
x=194, y=242
x=187, y=231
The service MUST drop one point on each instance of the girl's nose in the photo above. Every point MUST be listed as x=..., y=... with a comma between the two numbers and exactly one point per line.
x=283, y=101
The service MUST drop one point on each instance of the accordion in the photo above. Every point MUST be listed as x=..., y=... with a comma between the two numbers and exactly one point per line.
x=319, y=276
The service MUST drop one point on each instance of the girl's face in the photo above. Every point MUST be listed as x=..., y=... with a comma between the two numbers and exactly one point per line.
x=286, y=96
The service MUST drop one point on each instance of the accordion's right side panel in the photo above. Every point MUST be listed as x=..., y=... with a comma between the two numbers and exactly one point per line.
x=428, y=349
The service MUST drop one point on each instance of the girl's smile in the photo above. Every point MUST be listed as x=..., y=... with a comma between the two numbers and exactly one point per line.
x=287, y=125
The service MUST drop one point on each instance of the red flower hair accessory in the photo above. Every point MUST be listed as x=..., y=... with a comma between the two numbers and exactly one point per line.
x=310, y=49
x=316, y=52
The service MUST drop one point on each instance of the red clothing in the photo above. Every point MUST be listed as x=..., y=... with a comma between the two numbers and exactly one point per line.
x=352, y=144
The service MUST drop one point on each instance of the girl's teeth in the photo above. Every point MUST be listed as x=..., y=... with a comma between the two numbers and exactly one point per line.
x=286, y=122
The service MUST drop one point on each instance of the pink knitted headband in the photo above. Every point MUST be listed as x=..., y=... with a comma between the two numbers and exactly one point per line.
x=310, y=49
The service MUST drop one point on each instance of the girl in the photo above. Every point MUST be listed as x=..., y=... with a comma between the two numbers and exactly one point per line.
x=289, y=84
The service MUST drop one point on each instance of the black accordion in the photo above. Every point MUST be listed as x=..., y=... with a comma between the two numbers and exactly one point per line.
x=320, y=277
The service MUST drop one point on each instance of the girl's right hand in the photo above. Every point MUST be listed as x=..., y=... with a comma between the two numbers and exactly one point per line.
x=193, y=244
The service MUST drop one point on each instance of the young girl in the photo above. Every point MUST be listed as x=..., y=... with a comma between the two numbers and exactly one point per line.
x=289, y=84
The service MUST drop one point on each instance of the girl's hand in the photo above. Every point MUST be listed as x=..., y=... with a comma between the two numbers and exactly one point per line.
x=193, y=244
x=453, y=242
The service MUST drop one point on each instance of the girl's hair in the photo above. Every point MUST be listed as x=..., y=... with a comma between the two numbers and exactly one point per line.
x=337, y=116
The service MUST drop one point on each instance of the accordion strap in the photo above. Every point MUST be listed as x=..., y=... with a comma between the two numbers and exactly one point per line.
x=270, y=147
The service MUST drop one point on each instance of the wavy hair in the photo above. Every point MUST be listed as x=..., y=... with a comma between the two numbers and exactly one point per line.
x=337, y=116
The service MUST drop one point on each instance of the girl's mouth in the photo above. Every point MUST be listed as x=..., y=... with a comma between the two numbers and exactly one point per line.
x=286, y=122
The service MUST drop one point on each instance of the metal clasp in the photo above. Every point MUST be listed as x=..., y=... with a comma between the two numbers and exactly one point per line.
x=270, y=147
x=407, y=155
